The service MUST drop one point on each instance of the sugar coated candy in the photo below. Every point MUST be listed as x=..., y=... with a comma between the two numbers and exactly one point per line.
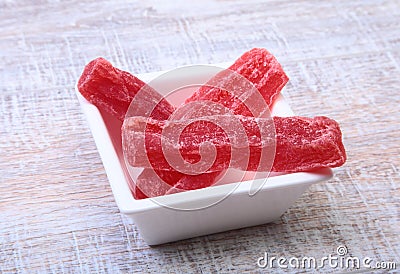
x=301, y=143
x=112, y=90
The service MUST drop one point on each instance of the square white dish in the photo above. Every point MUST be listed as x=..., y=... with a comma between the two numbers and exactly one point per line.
x=160, y=224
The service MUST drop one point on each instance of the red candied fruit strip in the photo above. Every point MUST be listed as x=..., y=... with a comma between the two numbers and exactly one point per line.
x=152, y=184
x=112, y=90
x=307, y=143
x=158, y=184
x=301, y=143
x=262, y=69
x=259, y=67
x=192, y=182
x=143, y=138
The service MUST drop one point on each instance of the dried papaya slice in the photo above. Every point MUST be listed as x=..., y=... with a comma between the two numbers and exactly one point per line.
x=301, y=143
x=112, y=90
x=260, y=68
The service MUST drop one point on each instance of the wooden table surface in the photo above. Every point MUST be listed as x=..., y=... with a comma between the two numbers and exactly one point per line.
x=57, y=211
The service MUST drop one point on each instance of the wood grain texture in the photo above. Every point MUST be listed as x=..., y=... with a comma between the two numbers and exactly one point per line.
x=57, y=212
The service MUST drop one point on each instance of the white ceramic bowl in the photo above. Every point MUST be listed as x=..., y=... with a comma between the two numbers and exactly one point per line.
x=160, y=224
